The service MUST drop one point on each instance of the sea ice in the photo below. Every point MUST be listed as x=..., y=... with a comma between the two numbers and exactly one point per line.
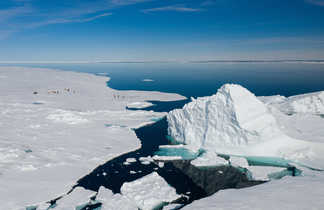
x=63, y=131
x=149, y=192
x=77, y=197
x=239, y=162
x=147, y=80
x=304, y=192
x=139, y=105
x=131, y=160
x=114, y=201
x=209, y=159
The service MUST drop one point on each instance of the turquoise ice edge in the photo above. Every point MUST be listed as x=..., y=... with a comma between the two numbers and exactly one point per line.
x=186, y=154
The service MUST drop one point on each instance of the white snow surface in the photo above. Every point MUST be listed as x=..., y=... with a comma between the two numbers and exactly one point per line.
x=149, y=191
x=306, y=103
x=114, y=201
x=289, y=193
x=234, y=121
x=297, y=116
x=139, y=105
x=78, y=197
x=51, y=139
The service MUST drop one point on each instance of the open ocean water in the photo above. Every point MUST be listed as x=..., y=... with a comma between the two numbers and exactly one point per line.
x=203, y=79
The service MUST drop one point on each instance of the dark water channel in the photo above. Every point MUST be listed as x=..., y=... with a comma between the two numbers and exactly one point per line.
x=114, y=173
x=194, y=183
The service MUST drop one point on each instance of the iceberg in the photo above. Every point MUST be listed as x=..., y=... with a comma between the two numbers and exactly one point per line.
x=235, y=122
x=230, y=118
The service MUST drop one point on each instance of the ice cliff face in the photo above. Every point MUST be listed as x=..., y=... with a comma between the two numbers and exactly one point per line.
x=230, y=118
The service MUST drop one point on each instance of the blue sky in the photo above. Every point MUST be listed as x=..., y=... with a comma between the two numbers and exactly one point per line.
x=181, y=30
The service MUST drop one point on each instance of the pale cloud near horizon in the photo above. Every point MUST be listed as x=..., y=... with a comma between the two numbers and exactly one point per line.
x=175, y=8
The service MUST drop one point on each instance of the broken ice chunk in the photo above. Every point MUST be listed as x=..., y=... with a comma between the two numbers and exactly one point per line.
x=149, y=192
x=114, y=201
x=77, y=197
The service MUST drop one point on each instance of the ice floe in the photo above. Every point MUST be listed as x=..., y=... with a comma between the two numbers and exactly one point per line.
x=139, y=105
x=149, y=192
x=114, y=201
x=288, y=193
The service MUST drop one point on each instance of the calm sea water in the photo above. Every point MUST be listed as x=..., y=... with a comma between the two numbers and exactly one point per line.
x=204, y=79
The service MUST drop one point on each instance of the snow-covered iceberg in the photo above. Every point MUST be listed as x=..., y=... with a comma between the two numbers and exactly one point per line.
x=235, y=122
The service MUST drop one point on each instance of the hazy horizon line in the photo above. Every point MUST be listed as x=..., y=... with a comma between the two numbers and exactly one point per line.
x=171, y=61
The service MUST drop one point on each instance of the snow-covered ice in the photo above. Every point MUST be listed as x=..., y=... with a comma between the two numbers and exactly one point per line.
x=297, y=116
x=149, y=192
x=291, y=193
x=312, y=103
x=77, y=197
x=139, y=105
x=147, y=80
x=209, y=159
x=114, y=201
x=239, y=162
x=276, y=129
x=53, y=132
x=131, y=160
x=235, y=122
x=57, y=126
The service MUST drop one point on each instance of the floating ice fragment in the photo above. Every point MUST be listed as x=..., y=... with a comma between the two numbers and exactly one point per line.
x=239, y=162
x=147, y=80
x=149, y=192
x=114, y=201
x=161, y=164
x=131, y=160
x=139, y=105
x=77, y=197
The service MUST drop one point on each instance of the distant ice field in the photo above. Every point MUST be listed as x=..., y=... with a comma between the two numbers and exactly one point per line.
x=193, y=79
